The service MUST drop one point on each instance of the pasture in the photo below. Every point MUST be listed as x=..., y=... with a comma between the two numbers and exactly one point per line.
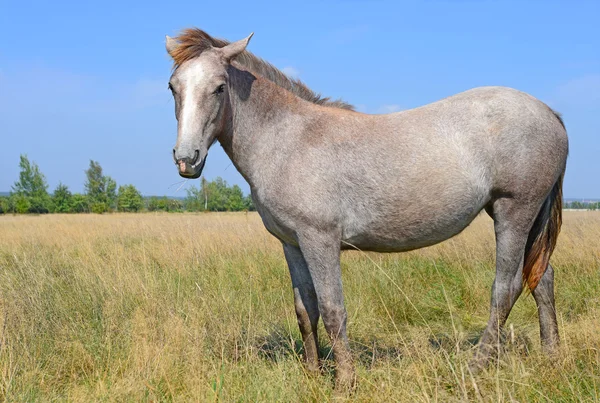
x=199, y=307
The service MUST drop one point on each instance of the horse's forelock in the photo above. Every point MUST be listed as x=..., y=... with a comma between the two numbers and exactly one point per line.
x=192, y=42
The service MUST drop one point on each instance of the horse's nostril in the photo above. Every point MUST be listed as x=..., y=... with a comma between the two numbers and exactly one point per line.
x=174, y=157
x=196, y=155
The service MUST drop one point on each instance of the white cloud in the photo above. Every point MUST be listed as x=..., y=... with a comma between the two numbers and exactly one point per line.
x=361, y=108
x=291, y=72
x=583, y=90
x=389, y=108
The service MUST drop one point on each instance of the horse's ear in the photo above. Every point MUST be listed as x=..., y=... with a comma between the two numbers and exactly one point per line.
x=233, y=49
x=171, y=45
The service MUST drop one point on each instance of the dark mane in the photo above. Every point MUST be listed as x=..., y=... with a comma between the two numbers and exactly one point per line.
x=193, y=41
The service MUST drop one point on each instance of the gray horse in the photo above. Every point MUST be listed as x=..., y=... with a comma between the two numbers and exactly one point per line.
x=325, y=178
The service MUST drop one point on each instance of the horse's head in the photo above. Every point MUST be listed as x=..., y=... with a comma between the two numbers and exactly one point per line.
x=201, y=91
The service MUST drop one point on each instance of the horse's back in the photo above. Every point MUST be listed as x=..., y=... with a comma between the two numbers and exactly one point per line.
x=500, y=130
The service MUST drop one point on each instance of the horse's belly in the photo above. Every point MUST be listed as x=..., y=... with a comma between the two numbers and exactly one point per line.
x=399, y=232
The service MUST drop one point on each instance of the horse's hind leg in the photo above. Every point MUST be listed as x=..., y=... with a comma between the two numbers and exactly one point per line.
x=305, y=302
x=544, y=298
x=512, y=223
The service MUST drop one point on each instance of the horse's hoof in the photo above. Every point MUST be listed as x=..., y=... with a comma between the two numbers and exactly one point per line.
x=312, y=368
x=478, y=363
x=475, y=367
x=550, y=348
x=345, y=382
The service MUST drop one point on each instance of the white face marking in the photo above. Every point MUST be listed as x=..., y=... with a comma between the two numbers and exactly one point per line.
x=191, y=82
x=197, y=106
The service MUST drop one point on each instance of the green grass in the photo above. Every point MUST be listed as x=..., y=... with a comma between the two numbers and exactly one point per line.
x=199, y=308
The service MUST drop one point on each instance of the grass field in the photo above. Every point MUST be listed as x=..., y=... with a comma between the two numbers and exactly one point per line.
x=181, y=307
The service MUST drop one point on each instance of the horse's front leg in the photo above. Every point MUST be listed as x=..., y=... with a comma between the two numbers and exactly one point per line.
x=321, y=251
x=305, y=302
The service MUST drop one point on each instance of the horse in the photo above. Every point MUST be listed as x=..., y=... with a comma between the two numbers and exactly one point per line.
x=325, y=178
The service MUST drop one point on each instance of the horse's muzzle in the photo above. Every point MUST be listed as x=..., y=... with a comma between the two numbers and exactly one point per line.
x=188, y=169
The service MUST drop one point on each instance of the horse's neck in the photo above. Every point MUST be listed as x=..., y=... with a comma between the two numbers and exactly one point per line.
x=258, y=109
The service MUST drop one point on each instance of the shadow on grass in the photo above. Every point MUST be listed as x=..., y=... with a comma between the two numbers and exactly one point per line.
x=447, y=342
x=280, y=344
x=510, y=341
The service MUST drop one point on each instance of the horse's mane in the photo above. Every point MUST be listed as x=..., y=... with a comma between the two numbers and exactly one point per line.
x=193, y=41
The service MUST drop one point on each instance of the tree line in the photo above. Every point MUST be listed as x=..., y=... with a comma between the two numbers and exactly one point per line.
x=577, y=205
x=30, y=195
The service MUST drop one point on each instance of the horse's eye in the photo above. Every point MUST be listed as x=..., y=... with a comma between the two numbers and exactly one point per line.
x=220, y=89
x=171, y=88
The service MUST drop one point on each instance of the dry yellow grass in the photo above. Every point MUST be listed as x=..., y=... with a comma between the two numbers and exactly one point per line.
x=184, y=307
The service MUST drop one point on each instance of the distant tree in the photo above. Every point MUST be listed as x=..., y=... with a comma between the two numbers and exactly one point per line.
x=95, y=185
x=111, y=193
x=216, y=195
x=5, y=205
x=152, y=203
x=129, y=199
x=163, y=204
x=30, y=192
x=194, y=201
x=249, y=203
x=98, y=208
x=62, y=199
x=235, y=199
x=174, y=205
x=80, y=203
x=101, y=190
x=203, y=183
x=577, y=205
x=21, y=204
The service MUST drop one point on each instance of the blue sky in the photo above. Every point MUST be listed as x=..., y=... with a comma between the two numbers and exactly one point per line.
x=83, y=80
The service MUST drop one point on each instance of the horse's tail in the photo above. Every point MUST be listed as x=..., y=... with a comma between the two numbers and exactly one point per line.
x=543, y=235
